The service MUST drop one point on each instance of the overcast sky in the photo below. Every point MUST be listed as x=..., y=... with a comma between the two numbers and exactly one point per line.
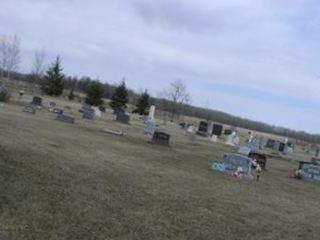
x=253, y=58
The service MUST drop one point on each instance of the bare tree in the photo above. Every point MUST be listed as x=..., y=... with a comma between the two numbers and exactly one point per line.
x=38, y=66
x=178, y=95
x=9, y=55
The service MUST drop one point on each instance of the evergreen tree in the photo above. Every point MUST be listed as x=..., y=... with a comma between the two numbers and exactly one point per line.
x=143, y=104
x=54, y=78
x=120, y=98
x=95, y=94
x=71, y=95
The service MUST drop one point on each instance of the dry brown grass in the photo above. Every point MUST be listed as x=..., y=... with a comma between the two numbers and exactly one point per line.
x=60, y=181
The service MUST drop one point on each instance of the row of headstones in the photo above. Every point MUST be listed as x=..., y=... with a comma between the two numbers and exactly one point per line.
x=232, y=162
x=277, y=146
x=214, y=131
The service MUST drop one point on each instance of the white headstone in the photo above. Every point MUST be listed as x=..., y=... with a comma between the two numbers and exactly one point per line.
x=214, y=138
x=232, y=139
x=150, y=128
x=97, y=112
x=151, y=113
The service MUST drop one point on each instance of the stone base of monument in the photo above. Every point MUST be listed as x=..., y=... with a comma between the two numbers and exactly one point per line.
x=65, y=118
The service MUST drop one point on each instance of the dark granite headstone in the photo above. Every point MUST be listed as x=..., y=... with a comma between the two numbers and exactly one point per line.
x=270, y=143
x=161, y=138
x=203, y=128
x=281, y=146
x=217, y=130
x=37, y=101
x=102, y=109
x=29, y=109
x=65, y=118
x=122, y=117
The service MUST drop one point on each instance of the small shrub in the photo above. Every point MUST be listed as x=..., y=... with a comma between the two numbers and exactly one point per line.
x=4, y=94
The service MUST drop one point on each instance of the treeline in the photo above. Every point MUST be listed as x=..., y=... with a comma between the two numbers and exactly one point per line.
x=82, y=84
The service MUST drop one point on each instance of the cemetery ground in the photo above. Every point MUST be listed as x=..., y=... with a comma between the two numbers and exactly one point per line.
x=64, y=181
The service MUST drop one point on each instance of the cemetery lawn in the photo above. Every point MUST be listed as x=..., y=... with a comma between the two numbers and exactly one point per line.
x=62, y=181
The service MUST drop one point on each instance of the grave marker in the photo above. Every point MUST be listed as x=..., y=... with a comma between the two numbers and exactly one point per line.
x=122, y=117
x=310, y=171
x=29, y=109
x=65, y=118
x=37, y=101
x=217, y=129
x=150, y=128
x=203, y=128
x=232, y=163
x=161, y=138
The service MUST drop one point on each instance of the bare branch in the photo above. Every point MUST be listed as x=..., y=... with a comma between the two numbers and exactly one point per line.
x=9, y=54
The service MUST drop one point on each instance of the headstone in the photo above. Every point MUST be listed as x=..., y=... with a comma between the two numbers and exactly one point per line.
x=203, y=128
x=52, y=104
x=276, y=147
x=97, y=112
x=161, y=138
x=270, y=143
x=65, y=118
x=88, y=113
x=122, y=118
x=29, y=109
x=217, y=129
x=287, y=150
x=165, y=118
x=151, y=112
x=232, y=139
x=244, y=150
x=150, y=128
x=232, y=163
x=37, y=101
x=310, y=171
x=262, y=142
x=85, y=107
x=253, y=145
x=282, y=146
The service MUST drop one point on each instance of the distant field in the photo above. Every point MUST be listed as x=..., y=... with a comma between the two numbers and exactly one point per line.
x=60, y=181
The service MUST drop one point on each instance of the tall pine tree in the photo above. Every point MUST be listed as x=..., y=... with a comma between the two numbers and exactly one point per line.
x=54, y=78
x=120, y=98
x=95, y=94
x=143, y=104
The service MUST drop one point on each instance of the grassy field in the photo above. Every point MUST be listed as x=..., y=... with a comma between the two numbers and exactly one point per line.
x=61, y=181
